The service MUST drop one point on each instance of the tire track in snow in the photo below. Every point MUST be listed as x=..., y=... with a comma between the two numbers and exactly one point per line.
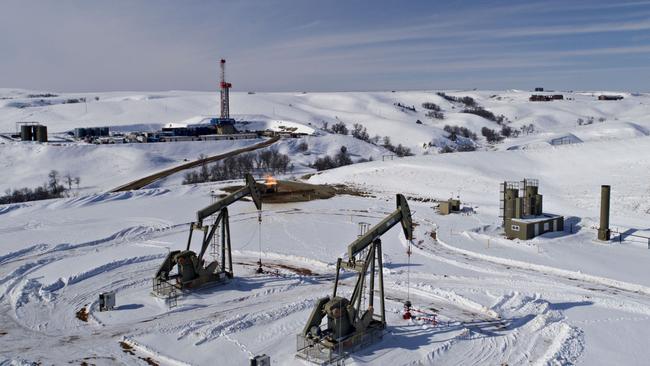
x=107, y=267
x=241, y=322
x=556, y=272
x=19, y=253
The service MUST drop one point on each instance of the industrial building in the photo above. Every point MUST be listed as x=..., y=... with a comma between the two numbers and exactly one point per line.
x=198, y=126
x=213, y=137
x=521, y=210
x=449, y=206
x=540, y=98
x=90, y=132
x=610, y=97
x=545, y=98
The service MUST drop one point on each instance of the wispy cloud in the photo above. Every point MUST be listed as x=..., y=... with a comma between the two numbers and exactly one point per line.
x=284, y=45
x=572, y=29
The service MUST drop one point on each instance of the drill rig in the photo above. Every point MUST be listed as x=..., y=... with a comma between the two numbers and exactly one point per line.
x=193, y=271
x=349, y=327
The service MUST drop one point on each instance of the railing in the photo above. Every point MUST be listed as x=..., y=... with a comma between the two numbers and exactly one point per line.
x=310, y=349
x=165, y=290
x=313, y=351
x=622, y=235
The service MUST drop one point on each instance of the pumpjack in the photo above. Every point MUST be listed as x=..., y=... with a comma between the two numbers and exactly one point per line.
x=349, y=327
x=193, y=271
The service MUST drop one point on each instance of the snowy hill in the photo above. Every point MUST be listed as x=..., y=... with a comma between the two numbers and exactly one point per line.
x=558, y=299
x=377, y=111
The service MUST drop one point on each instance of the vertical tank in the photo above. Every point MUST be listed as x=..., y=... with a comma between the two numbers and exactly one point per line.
x=510, y=202
x=538, y=205
x=531, y=191
x=41, y=133
x=603, y=231
x=530, y=205
x=26, y=132
x=519, y=208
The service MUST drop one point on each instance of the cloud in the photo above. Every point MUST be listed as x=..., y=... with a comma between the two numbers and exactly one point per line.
x=72, y=45
x=572, y=29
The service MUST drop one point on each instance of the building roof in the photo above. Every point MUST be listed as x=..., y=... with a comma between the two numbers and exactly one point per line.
x=534, y=219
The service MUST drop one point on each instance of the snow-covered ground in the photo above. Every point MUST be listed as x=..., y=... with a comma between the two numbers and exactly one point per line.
x=307, y=111
x=561, y=298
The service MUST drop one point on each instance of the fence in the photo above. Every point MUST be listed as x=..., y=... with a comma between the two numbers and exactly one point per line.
x=622, y=235
x=625, y=235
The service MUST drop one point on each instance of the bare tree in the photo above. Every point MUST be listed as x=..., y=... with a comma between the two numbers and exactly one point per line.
x=53, y=182
x=204, y=173
x=68, y=180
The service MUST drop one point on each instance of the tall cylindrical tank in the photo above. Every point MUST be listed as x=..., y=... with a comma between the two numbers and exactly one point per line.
x=510, y=202
x=531, y=191
x=519, y=208
x=41, y=133
x=603, y=231
x=538, y=205
x=26, y=132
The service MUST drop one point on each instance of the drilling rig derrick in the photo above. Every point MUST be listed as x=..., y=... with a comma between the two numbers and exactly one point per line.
x=225, y=92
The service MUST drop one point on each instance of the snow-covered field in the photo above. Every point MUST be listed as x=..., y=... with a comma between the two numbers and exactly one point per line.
x=561, y=298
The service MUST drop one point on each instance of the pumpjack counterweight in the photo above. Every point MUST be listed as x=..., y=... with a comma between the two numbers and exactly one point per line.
x=349, y=327
x=193, y=271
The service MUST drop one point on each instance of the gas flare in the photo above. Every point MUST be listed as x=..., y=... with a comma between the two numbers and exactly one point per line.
x=269, y=181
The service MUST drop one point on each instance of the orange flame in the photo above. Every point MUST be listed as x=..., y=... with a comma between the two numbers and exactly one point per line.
x=269, y=181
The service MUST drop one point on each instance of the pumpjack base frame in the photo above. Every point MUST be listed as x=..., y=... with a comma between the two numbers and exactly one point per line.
x=165, y=289
x=317, y=352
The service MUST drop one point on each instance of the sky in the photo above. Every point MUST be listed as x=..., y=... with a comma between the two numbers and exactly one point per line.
x=309, y=45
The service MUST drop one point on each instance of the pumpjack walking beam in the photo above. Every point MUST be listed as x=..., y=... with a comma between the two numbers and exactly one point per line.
x=372, y=240
x=192, y=270
x=249, y=189
x=221, y=206
x=347, y=325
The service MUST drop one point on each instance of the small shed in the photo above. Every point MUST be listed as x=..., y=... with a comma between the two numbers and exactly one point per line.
x=449, y=206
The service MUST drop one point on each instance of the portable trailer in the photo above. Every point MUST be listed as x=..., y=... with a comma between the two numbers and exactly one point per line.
x=193, y=271
x=349, y=328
